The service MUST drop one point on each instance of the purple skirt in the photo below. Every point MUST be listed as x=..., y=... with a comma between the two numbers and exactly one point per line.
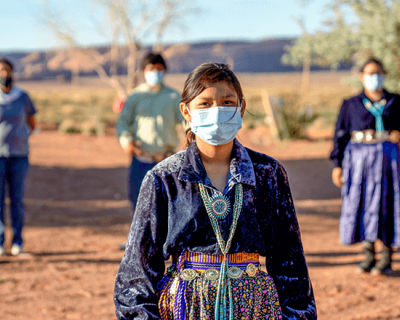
x=371, y=197
x=190, y=292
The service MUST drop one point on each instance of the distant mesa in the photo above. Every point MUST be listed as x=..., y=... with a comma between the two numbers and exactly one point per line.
x=243, y=56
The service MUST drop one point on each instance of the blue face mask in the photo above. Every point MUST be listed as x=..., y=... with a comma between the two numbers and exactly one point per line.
x=154, y=78
x=374, y=82
x=216, y=125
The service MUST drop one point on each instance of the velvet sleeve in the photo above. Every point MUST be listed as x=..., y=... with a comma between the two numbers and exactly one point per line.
x=143, y=266
x=286, y=263
x=342, y=135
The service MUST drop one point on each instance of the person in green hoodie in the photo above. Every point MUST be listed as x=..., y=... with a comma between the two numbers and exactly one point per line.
x=147, y=124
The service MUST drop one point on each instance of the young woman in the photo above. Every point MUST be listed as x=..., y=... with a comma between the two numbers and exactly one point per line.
x=16, y=123
x=366, y=157
x=215, y=208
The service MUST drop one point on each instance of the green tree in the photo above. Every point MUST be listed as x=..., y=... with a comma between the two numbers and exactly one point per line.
x=358, y=30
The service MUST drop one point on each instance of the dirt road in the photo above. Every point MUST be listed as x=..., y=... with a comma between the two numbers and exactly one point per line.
x=77, y=214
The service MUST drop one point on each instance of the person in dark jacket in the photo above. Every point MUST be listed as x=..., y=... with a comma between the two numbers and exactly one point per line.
x=214, y=208
x=366, y=158
x=16, y=123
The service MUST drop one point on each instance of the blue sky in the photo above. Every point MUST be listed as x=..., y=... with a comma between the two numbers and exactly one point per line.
x=219, y=20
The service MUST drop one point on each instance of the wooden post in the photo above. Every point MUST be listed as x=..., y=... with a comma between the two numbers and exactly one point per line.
x=270, y=119
x=305, y=77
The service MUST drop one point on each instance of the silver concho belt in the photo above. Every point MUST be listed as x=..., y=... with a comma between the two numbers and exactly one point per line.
x=372, y=136
x=213, y=274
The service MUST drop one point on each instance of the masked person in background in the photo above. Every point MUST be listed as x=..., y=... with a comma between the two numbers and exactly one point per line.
x=215, y=208
x=366, y=158
x=16, y=123
x=147, y=125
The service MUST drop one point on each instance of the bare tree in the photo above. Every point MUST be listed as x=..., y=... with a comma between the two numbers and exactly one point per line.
x=133, y=21
x=305, y=74
x=88, y=56
x=173, y=15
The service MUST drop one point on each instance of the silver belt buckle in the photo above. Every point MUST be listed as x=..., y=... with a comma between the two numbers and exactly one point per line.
x=369, y=135
x=251, y=270
x=358, y=136
x=211, y=274
x=235, y=272
x=189, y=274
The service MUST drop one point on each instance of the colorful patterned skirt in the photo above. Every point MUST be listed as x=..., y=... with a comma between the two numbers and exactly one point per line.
x=188, y=291
x=371, y=193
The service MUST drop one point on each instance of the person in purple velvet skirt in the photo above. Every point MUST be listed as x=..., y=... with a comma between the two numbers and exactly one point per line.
x=366, y=158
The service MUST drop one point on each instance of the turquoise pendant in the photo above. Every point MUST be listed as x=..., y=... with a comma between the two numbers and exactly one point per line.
x=219, y=206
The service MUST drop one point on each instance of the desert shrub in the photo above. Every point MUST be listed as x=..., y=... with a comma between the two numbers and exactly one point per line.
x=296, y=115
x=255, y=114
x=68, y=126
x=92, y=126
x=291, y=114
x=91, y=108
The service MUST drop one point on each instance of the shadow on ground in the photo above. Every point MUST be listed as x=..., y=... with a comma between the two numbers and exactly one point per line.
x=58, y=196
x=310, y=179
x=95, y=197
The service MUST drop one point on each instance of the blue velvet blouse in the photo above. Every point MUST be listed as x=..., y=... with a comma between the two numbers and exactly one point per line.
x=353, y=116
x=170, y=217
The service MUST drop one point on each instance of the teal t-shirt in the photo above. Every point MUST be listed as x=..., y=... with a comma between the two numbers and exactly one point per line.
x=151, y=117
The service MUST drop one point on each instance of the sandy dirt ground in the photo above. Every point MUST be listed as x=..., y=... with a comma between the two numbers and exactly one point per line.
x=77, y=214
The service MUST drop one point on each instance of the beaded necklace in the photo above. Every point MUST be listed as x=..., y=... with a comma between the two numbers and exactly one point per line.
x=214, y=206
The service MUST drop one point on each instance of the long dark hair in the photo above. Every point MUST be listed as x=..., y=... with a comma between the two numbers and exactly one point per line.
x=201, y=77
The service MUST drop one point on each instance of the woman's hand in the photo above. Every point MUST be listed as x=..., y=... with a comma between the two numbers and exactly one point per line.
x=337, y=177
x=132, y=148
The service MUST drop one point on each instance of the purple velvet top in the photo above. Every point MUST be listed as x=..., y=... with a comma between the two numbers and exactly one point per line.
x=170, y=217
x=353, y=116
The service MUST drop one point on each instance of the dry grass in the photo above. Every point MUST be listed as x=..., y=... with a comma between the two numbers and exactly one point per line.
x=327, y=90
x=88, y=108
x=79, y=110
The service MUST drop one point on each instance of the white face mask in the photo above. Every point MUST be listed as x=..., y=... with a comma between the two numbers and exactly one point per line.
x=216, y=125
x=374, y=82
x=154, y=78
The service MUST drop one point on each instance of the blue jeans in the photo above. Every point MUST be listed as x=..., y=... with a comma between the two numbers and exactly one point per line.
x=137, y=171
x=13, y=172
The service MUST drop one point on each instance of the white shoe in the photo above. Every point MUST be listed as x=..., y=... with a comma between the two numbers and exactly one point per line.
x=16, y=249
x=2, y=251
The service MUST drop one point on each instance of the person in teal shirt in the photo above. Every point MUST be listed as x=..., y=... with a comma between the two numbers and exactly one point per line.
x=147, y=125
